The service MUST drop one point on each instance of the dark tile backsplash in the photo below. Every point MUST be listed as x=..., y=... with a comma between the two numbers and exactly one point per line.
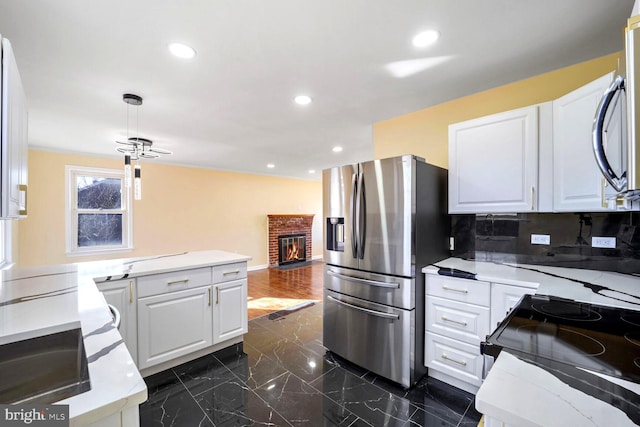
x=508, y=238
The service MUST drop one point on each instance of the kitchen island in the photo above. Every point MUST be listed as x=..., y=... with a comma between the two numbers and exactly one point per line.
x=527, y=390
x=44, y=300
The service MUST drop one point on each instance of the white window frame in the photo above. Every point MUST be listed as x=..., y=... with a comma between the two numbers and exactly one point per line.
x=72, y=248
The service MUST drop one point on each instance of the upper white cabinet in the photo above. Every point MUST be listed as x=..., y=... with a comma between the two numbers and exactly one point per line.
x=493, y=163
x=13, y=138
x=578, y=184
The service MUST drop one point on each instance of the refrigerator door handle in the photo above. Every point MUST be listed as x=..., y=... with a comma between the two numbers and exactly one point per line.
x=362, y=200
x=365, y=310
x=354, y=221
x=365, y=281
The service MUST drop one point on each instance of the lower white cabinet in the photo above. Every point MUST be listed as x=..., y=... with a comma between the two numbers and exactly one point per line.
x=503, y=298
x=122, y=295
x=174, y=324
x=230, y=310
x=457, y=359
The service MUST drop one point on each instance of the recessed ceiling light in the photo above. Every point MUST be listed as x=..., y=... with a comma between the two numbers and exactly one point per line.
x=426, y=38
x=181, y=50
x=312, y=171
x=302, y=99
x=337, y=149
x=271, y=165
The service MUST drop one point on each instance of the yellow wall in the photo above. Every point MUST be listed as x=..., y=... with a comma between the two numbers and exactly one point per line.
x=425, y=132
x=182, y=209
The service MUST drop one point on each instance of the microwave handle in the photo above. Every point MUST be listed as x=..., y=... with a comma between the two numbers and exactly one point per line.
x=619, y=183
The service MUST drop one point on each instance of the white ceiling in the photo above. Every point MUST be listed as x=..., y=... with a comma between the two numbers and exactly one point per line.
x=231, y=107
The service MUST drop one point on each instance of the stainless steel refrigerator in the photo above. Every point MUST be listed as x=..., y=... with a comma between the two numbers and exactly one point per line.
x=384, y=220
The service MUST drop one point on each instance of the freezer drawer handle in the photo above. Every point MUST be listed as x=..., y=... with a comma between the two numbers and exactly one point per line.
x=462, y=291
x=445, y=357
x=446, y=319
x=365, y=281
x=366, y=310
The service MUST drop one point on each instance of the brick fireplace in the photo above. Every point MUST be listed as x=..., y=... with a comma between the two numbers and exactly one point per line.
x=288, y=225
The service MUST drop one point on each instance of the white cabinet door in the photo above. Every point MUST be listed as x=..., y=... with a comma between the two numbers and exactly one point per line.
x=493, y=163
x=122, y=295
x=173, y=324
x=230, y=310
x=577, y=179
x=503, y=298
x=14, y=141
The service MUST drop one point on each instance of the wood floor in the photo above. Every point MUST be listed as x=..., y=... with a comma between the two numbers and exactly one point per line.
x=271, y=289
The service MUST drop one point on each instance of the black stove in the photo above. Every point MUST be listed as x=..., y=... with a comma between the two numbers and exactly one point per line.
x=595, y=337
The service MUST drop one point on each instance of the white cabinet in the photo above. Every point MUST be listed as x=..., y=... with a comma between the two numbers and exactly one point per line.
x=578, y=183
x=122, y=295
x=182, y=312
x=230, y=310
x=493, y=163
x=503, y=298
x=457, y=319
x=13, y=138
x=173, y=324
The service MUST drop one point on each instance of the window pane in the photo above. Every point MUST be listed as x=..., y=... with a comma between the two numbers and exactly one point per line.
x=99, y=229
x=95, y=192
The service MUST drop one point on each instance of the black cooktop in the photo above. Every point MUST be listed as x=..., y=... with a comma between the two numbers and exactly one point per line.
x=599, y=338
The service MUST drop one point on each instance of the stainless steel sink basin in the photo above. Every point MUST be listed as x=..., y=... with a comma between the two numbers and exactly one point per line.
x=44, y=369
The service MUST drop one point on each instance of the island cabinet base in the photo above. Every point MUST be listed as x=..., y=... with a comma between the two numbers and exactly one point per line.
x=189, y=357
x=129, y=417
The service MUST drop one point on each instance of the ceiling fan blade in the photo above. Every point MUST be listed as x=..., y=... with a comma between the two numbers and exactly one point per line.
x=127, y=143
x=146, y=155
x=159, y=150
x=126, y=150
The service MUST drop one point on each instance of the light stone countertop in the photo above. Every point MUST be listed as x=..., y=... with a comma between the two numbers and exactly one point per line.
x=43, y=300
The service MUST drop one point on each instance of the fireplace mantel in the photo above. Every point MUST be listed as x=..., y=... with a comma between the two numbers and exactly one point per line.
x=281, y=224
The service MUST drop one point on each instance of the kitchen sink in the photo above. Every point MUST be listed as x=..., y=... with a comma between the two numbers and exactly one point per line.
x=44, y=369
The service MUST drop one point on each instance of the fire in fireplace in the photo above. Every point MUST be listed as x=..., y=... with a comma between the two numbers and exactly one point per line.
x=292, y=248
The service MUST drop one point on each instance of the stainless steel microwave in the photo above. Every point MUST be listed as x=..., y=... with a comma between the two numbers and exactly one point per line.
x=616, y=126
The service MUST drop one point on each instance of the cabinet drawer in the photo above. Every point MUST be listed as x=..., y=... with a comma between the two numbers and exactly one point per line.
x=156, y=284
x=460, y=360
x=464, y=290
x=229, y=272
x=462, y=321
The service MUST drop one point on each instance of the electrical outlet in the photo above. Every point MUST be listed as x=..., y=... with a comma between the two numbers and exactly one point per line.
x=540, y=239
x=603, y=242
x=452, y=243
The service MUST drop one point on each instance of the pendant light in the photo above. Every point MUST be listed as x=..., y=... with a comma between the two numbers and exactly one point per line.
x=136, y=148
x=137, y=184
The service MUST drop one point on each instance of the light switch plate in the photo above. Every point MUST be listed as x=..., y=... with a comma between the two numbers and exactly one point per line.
x=603, y=242
x=540, y=239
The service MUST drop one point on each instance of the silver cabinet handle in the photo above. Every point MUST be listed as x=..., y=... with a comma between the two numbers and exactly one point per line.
x=365, y=281
x=445, y=357
x=217, y=295
x=462, y=291
x=175, y=282
x=226, y=273
x=532, y=192
x=130, y=291
x=365, y=310
x=209, y=289
x=446, y=319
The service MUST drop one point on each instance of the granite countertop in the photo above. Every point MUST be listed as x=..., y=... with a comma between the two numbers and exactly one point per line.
x=43, y=300
x=522, y=391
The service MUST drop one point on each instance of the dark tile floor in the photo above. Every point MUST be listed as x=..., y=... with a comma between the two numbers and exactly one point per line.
x=282, y=376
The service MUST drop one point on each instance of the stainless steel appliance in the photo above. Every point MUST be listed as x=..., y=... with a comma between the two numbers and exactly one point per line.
x=384, y=221
x=616, y=127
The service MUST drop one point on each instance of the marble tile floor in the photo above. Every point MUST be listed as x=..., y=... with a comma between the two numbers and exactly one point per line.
x=282, y=376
